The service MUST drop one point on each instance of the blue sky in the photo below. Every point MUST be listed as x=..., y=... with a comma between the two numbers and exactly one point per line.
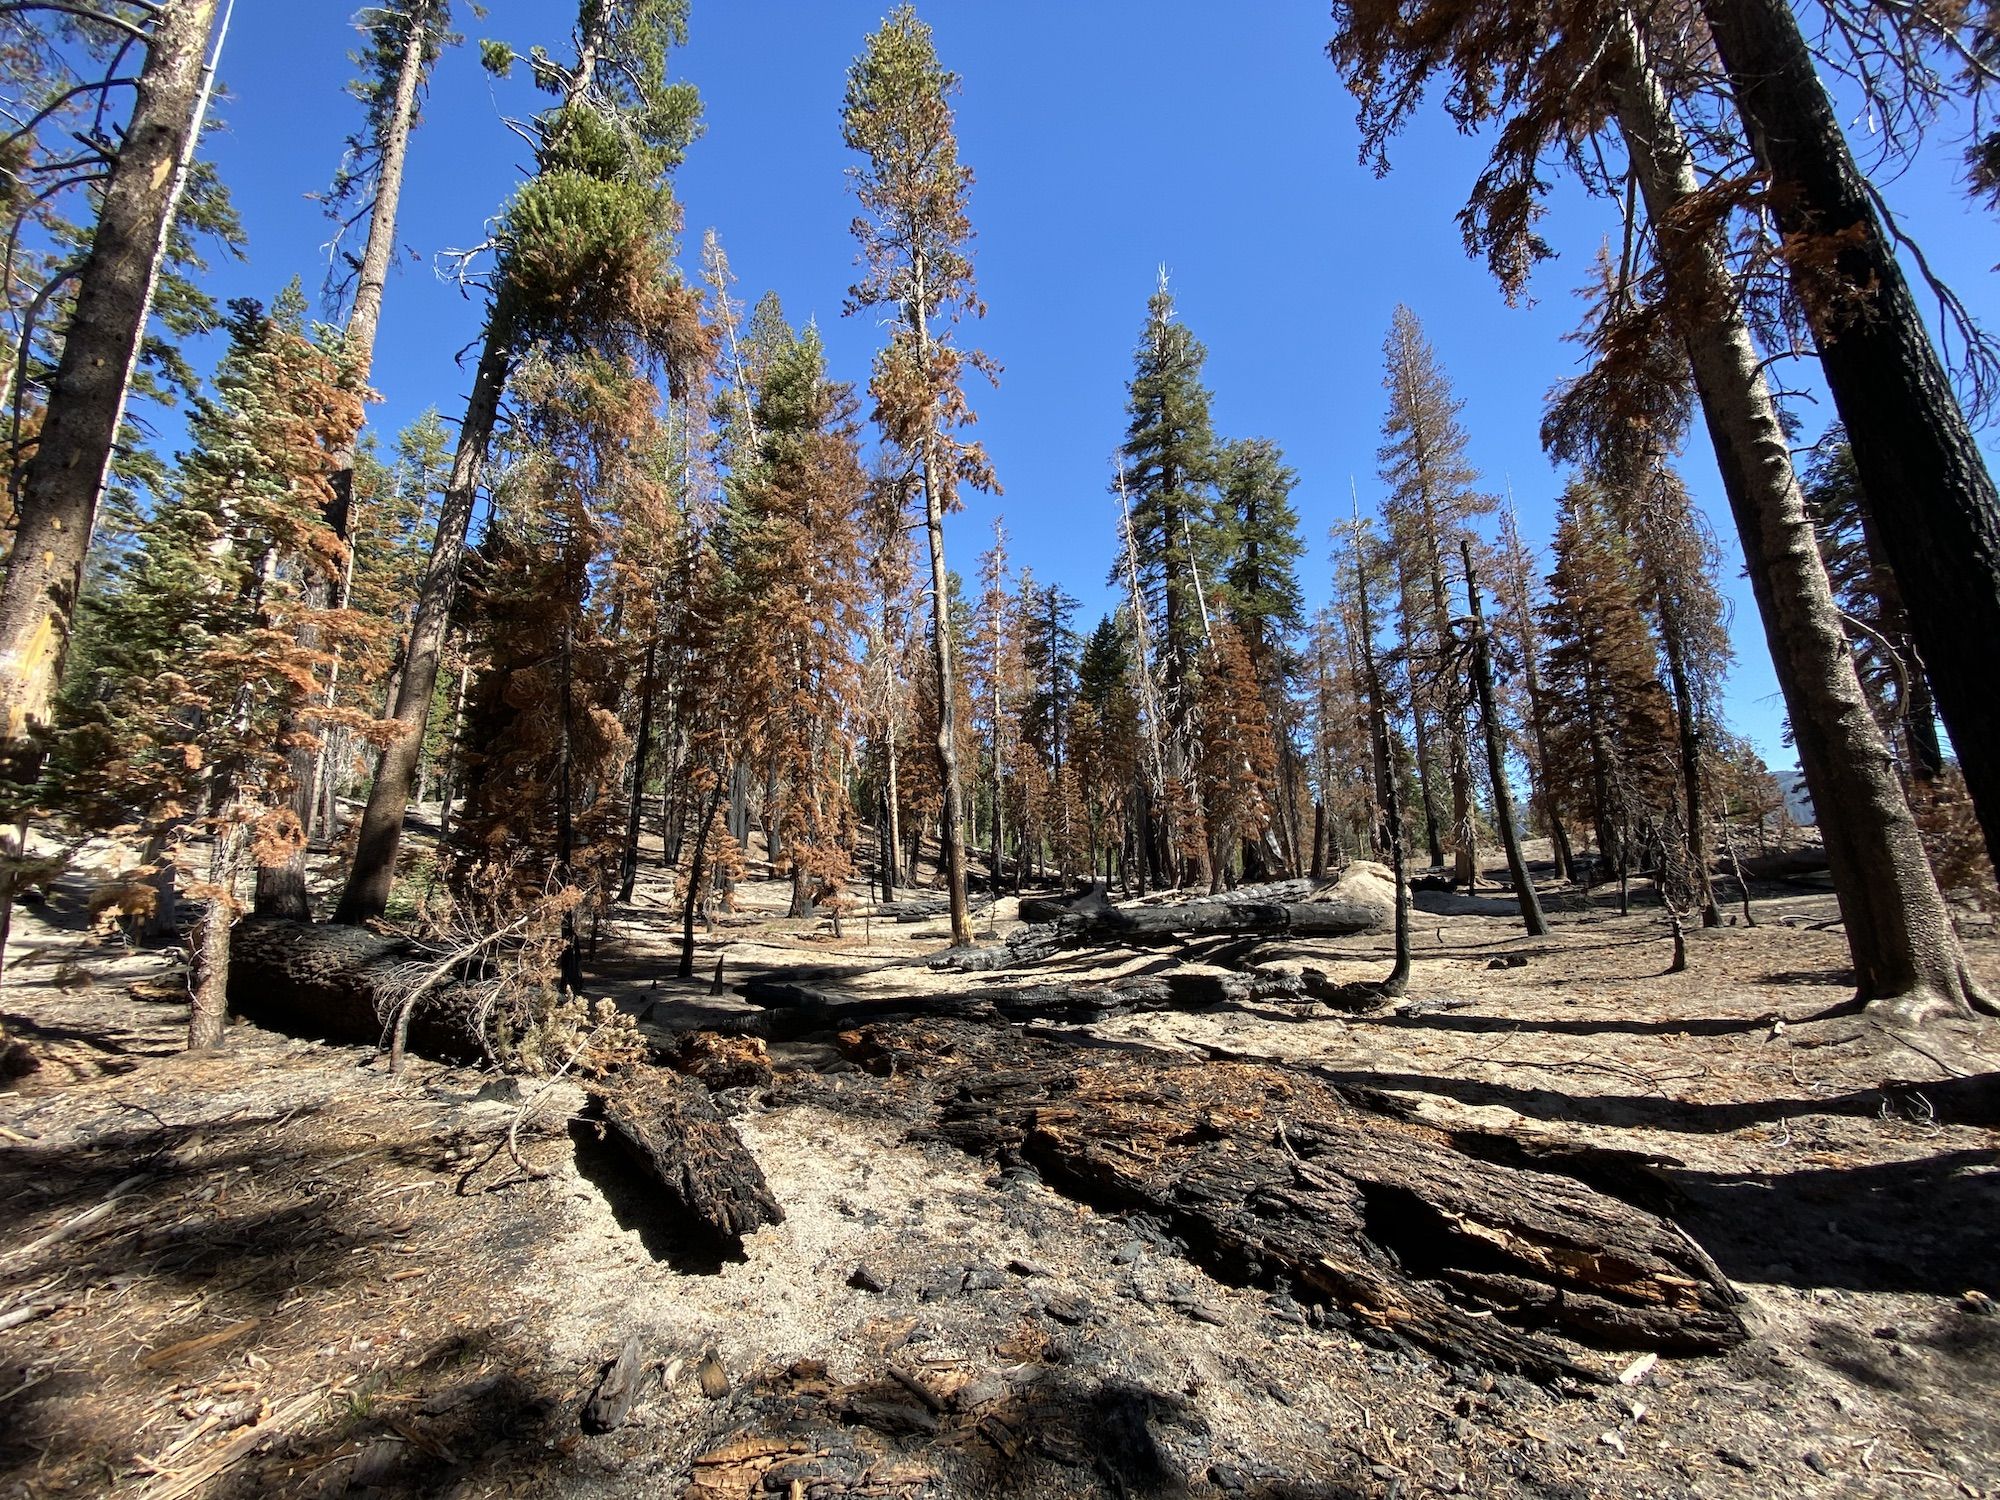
x=1108, y=138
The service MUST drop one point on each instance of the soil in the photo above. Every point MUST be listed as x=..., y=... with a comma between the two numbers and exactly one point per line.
x=281, y=1270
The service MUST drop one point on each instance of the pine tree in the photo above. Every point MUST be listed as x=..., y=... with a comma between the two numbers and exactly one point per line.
x=57, y=504
x=1611, y=723
x=914, y=230
x=202, y=673
x=1168, y=480
x=582, y=265
x=1432, y=503
x=790, y=539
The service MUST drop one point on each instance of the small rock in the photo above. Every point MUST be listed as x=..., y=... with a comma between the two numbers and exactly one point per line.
x=1067, y=1309
x=1021, y=1267
x=864, y=1280
x=1889, y=1331
x=978, y=1392
x=713, y=1378
x=984, y=1279
x=1813, y=1459
x=1517, y=960
x=1735, y=1460
x=1128, y=1253
x=1496, y=963
x=1980, y=1303
x=1613, y=1441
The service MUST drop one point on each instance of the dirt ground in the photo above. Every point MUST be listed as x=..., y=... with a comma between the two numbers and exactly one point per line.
x=282, y=1271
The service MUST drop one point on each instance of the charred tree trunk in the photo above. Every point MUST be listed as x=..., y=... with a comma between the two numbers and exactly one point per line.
x=1392, y=796
x=1496, y=765
x=86, y=400
x=629, y=869
x=369, y=880
x=1905, y=950
x=1922, y=475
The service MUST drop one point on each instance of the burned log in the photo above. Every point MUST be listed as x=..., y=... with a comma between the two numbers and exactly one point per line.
x=345, y=984
x=800, y=1009
x=670, y=1131
x=1272, y=1176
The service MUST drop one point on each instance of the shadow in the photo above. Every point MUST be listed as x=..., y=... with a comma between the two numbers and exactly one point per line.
x=1925, y=1225
x=1458, y=1021
x=1459, y=904
x=669, y=1235
x=1833, y=978
x=1959, y=1101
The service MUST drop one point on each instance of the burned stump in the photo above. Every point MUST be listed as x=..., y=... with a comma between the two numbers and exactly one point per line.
x=1272, y=1176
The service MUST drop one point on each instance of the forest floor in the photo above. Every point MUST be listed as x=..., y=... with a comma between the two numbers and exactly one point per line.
x=280, y=1270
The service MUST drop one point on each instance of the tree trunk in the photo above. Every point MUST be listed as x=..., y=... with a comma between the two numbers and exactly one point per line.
x=208, y=984
x=629, y=871
x=374, y=870
x=951, y=819
x=892, y=849
x=1922, y=476
x=281, y=889
x=1392, y=795
x=697, y=876
x=1496, y=766
x=1904, y=948
x=66, y=475
x=1688, y=723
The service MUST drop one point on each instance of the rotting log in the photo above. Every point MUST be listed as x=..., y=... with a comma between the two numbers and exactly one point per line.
x=1400, y=1230
x=343, y=984
x=672, y=1133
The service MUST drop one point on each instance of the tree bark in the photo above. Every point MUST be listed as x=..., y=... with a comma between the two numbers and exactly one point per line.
x=629, y=872
x=66, y=475
x=1398, y=979
x=1905, y=951
x=208, y=983
x=1496, y=766
x=281, y=889
x=1923, y=479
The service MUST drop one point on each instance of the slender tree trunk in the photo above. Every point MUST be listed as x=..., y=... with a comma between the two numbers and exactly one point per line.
x=374, y=870
x=1688, y=723
x=1496, y=765
x=629, y=870
x=448, y=789
x=951, y=818
x=281, y=889
x=1923, y=479
x=1392, y=799
x=893, y=852
x=1906, y=953
x=66, y=475
x=697, y=877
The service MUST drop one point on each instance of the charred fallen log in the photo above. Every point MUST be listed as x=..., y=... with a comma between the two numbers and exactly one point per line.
x=345, y=984
x=800, y=1008
x=1055, y=925
x=670, y=1131
x=1269, y=1176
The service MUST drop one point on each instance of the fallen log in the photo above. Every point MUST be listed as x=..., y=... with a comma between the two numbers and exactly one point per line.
x=807, y=1008
x=1271, y=1176
x=671, y=1132
x=1056, y=925
x=344, y=984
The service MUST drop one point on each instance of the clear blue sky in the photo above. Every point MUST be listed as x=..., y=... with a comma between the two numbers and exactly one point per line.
x=1108, y=138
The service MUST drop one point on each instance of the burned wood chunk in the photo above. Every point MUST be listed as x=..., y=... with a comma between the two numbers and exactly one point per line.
x=612, y=1401
x=718, y=1061
x=1270, y=1176
x=673, y=1134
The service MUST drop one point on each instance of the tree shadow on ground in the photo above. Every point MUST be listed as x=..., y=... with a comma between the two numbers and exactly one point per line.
x=1969, y=1101
x=1561, y=1026
x=670, y=1235
x=1925, y=1225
